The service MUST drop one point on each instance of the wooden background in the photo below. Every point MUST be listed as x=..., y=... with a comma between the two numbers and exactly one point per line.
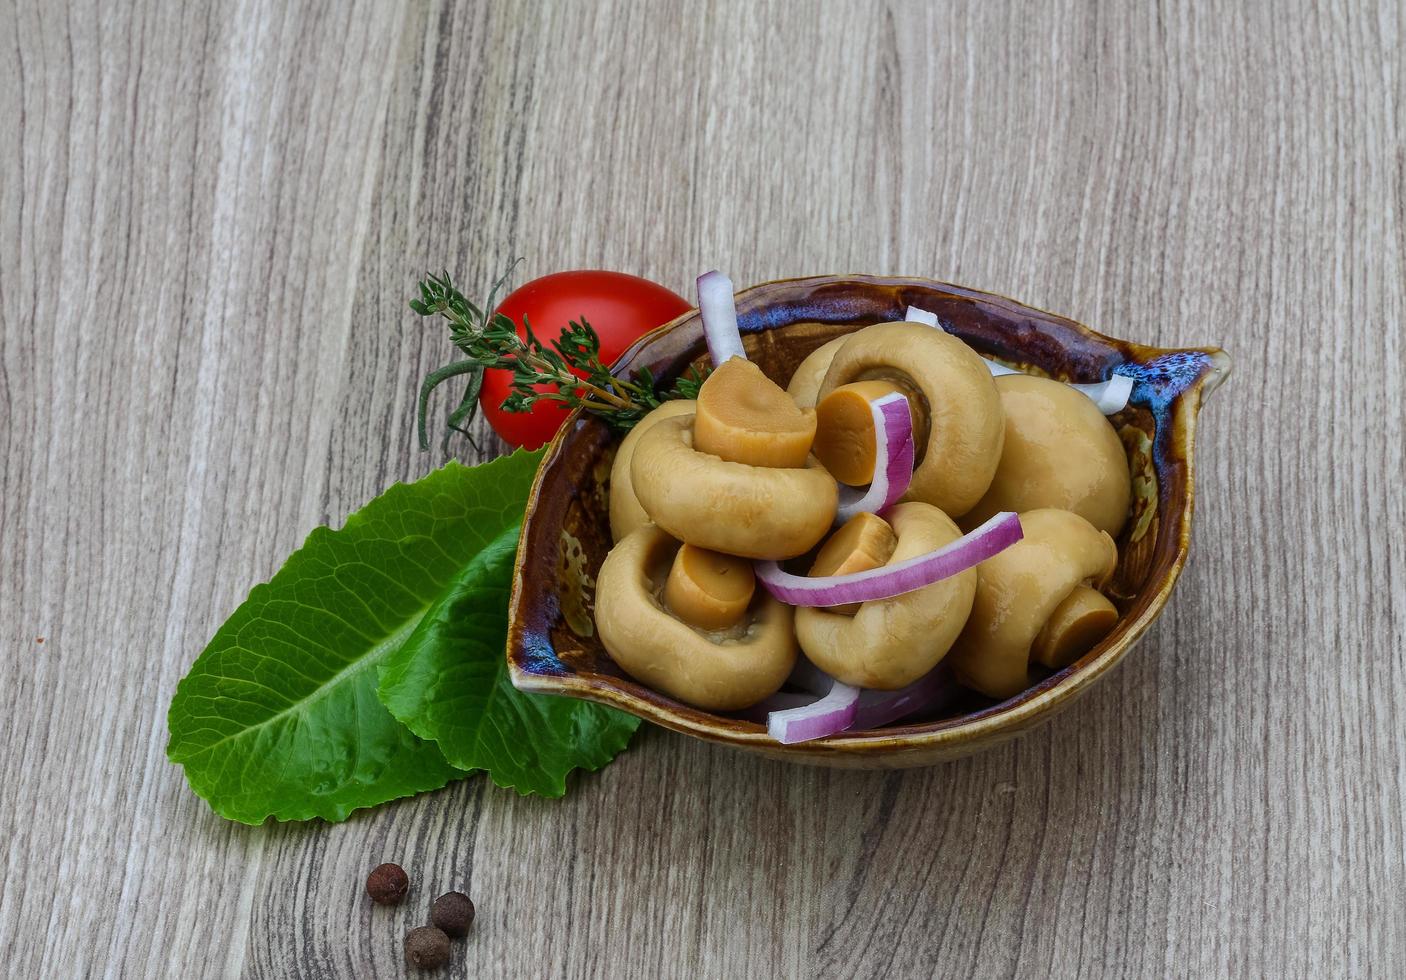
x=211, y=215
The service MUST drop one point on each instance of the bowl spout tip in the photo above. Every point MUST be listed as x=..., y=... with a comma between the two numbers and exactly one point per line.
x=1216, y=372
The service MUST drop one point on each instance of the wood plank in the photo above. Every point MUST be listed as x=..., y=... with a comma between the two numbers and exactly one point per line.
x=211, y=216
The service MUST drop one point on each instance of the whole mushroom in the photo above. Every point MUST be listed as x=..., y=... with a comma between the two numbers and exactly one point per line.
x=889, y=643
x=626, y=513
x=736, y=477
x=1036, y=590
x=958, y=424
x=1060, y=451
x=717, y=670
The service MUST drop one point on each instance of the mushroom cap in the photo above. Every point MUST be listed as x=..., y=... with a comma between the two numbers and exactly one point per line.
x=1018, y=589
x=752, y=511
x=717, y=671
x=1061, y=452
x=804, y=386
x=954, y=393
x=889, y=643
x=626, y=514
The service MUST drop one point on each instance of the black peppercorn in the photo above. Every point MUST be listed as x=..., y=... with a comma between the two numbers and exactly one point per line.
x=426, y=947
x=387, y=884
x=453, y=912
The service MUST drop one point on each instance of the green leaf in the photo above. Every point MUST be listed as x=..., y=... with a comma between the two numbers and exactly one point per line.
x=278, y=716
x=449, y=682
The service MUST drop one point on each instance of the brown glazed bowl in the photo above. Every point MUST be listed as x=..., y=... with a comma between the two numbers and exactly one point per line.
x=552, y=648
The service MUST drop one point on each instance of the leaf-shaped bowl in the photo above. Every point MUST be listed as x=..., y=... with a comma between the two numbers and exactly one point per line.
x=552, y=647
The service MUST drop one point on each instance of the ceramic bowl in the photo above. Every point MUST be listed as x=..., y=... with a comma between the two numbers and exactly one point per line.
x=552, y=647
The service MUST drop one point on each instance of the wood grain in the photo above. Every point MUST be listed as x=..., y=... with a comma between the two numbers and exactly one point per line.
x=210, y=217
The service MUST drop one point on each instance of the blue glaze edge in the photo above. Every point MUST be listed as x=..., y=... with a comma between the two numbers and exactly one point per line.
x=1156, y=386
x=540, y=657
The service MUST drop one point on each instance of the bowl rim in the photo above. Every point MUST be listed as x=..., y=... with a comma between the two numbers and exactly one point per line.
x=1006, y=717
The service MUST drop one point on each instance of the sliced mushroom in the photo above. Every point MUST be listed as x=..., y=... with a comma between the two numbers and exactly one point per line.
x=889, y=643
x=717, y=671
x=1060, y=451
x=752, y=511
x=804, y=386
x=626, y=514
x=1019, y=591
x=958, y=423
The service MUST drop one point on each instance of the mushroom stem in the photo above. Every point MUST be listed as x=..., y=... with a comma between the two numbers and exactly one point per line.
x=845, y=441
x=708, y=589
x=894, y=450
x=865, y=541
x=1072, y=630
x=745, y=417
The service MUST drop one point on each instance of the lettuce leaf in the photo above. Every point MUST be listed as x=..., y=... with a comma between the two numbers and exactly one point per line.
x=449, y=682
x=279, y=715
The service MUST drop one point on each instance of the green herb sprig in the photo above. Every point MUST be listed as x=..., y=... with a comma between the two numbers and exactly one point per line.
x=569, y=366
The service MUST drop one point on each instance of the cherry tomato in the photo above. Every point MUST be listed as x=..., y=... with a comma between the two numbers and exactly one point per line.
x=619, y=307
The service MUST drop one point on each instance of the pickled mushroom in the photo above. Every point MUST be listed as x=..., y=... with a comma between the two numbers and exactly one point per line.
x=718, y=670
x=744, y=417
x=1060, y=451
x=954, y=403
x=708, y=589
x=889, y=643
x=1018, y=593
x=626, y=512
x=863, y=542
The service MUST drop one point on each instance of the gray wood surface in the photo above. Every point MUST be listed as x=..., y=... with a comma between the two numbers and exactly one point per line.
x=211, y=215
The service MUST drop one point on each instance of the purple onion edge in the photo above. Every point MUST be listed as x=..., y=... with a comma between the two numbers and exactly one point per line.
x=896, y=418
x=992, y=541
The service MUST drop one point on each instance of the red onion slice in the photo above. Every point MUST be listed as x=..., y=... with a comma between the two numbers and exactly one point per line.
x=1110, y=396
x=719, y=311
x=893, y=460
x=915, y=315
x=993, y=537
x=933, y=690
x=832, y=713
x=793, y=717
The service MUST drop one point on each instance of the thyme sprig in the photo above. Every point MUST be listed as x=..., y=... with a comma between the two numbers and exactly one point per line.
x=567, y=369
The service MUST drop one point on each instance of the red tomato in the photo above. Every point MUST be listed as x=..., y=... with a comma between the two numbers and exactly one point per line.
x=619, y=307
